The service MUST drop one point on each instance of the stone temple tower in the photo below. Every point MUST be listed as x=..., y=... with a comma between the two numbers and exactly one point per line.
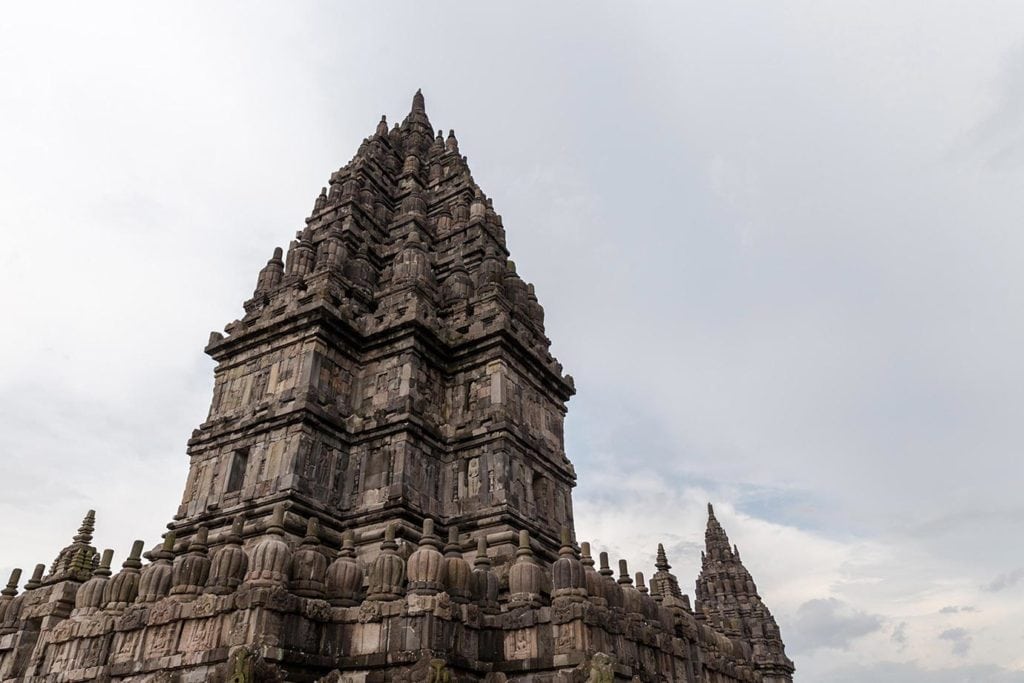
x=380, y=491
x=390, y=366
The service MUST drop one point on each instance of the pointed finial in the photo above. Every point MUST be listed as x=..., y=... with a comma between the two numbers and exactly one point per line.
x=566, y=550
x=320, y=202
x=36, y=579
x=12, y=583
x=382, y=127
x=134, y=559
x=276, y=525
x=200, y=540
x=736, y=552
x=312, y=531
x=711, y=511
x=453, y=548
x=585, y=557
x=452, y=143
x=88, y=526
x=104, y=566
x=482, y=559
x=624, y=578
x=418, y=104
x=389, y=538
x=662, y=562
x=605, y=570
x=167, y=549
x=524, y=544
x=348, y=544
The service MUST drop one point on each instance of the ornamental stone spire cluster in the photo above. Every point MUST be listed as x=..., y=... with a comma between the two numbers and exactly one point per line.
x=380, y=490
x=728, y=598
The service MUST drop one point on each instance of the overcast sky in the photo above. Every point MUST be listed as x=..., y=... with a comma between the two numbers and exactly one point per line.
x=779, y=246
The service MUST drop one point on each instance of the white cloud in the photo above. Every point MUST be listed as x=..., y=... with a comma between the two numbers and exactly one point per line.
x=770, y=241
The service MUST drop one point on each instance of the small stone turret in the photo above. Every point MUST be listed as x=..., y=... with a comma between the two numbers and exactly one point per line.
x=155, y=580
x=229, y=563
x=612, y=590
x=426, y=566
x=332, y=253
x=648, y=606
x=192, y=568
x=320, y=203
x=89, y=597
x=360, y=269
x=309, y=564
x=525, y=576
x=36, y=580
x=568, y=577
x=76, y=561
x=458, y=575
x=593, y=581
x=664, y=584
x=458, y=286
x=271, y=274
x=631, y=603
x=485, y=582
x=9, y=593
x=345, y=576
x=302, y=258
x=270, y=559
x=412, y=265
x=387, y=574
x=121, y=591
x=10, y=604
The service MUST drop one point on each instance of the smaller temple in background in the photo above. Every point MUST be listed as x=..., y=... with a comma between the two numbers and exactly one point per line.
x=380, y=491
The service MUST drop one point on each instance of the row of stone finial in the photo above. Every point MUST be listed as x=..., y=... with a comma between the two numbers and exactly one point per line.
x=413, y=264
x=306, y=571
x=411, y=166
x=397, y=191
x=309, y=254
x=433, y=568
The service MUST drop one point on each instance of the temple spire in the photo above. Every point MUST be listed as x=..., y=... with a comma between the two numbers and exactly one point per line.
x=726, y=592
x=85, y=531
x=716, y=541
x=77, y=560
x=417, y=125
x=661, y=563
x=664, y=583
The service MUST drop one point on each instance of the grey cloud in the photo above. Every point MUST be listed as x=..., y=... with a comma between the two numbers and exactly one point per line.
x=830, y=623
x=956, y=609
x=909, y=672
x=1004, y=581
x=960, y=638
x=899, y=635
x=788, y=279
